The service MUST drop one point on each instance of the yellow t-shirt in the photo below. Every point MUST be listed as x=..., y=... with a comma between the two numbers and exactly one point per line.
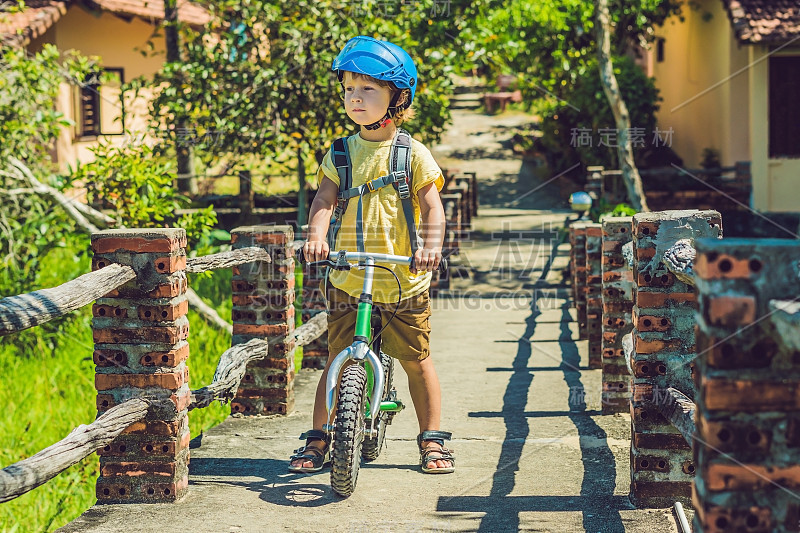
x=384, y=224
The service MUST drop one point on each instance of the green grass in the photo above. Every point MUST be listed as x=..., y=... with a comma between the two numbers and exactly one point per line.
x=48, y=389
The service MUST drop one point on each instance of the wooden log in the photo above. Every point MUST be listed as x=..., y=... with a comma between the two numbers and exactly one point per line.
x=233, y=362
x=309, y=331
x=227, y=259
x=679, y=260
x=26, y=475
x=229, y=373
x=24, y=173
x=785, y=314
x=28, y=310
x=678, y=409
x=627, y=350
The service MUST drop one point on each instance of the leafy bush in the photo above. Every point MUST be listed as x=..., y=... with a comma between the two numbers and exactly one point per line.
x=588, y=111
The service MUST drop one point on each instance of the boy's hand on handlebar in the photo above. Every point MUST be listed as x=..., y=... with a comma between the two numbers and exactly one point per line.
x=316, y=251
x=426, y=260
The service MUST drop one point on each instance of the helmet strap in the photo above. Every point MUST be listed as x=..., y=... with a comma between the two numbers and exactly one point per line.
x=387, y=117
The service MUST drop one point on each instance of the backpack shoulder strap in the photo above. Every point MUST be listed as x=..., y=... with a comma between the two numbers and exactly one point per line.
x=340, y=156
x=401, y=164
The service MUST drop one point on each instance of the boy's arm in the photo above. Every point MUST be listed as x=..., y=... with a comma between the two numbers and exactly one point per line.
x=432, y=227
x=319, y=219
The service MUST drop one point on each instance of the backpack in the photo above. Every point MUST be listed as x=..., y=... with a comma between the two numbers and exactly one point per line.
x=400, y=177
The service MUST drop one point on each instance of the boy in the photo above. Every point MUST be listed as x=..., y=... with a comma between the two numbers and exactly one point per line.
x=379, y=80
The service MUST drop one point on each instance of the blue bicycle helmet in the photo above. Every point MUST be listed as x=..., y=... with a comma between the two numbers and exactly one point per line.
x=381, y=60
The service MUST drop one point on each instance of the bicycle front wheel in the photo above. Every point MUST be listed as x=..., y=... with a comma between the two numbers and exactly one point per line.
x=348, y=434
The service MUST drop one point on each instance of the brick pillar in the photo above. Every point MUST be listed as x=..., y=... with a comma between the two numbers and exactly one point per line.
x=263, y=298
x=315, y=353
x=452, y=211
x=578, y=251
x=747, y=447
x=617, y=309
x=664, y=347
x=594, y=293
x=140, y=333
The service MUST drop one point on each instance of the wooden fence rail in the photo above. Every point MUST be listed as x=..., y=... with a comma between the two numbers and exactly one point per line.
x=28, y=310
x=26, y=475
x=226, y=259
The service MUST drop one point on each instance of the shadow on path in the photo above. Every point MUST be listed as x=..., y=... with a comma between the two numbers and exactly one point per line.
x=597, y=502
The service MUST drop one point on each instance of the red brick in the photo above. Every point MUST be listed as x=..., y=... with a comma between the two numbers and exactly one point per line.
x=172, y=289
x=724, y=520
x=164, y=334
x=648, y=346
x=165, y=491
x=730, y=311
x=261, y=330
x=711, y=265
x=749, y=395
x=161, y=313
x=118, y=489
x=107, y=358
x=170, y=264
x=109, y=311
x=660, y=441
x=154, y=427
x=104, y=402
x=749, y=477
x=166, y=380
x=731, y=435
x=652, y=300
x=645, y=229
x=650, y=463
x=648, y=280
x=643, y=254
x=649, y=369
x=104, y=245
x=135, y=469
x=651, y=323
x=261, y=300
x=170, y=358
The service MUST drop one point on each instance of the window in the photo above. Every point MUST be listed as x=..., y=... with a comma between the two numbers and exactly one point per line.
x=99, y=107
x=660, y=50
x=784, y=107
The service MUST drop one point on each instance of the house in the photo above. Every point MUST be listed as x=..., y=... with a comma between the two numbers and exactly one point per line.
x=119, y=31
x=729, y=74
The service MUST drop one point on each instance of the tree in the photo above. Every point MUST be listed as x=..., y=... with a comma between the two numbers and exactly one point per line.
x=630, y=174
x=257, y=79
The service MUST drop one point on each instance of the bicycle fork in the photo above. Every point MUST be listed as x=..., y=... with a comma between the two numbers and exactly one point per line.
x=358, y=351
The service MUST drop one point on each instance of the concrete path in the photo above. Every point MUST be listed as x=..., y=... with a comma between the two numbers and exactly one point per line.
x=534, y=453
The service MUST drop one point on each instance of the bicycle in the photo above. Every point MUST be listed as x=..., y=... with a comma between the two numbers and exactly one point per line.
x=365, y=399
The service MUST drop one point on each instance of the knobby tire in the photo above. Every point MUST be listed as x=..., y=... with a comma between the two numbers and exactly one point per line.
x=349, y=430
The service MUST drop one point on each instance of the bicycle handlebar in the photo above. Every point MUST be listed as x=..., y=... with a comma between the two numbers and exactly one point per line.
x=362, y=256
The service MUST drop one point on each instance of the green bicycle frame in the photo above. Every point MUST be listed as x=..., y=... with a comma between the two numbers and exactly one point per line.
x=360, y=352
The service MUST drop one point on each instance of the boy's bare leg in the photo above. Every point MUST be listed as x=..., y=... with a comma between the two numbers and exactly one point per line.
x=423, y=383
x=320, y=415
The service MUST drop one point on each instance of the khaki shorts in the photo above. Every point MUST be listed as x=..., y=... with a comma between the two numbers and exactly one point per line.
x=407, y=338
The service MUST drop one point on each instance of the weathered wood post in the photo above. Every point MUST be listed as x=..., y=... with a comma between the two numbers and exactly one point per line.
x=263, y=307
x=140, y=333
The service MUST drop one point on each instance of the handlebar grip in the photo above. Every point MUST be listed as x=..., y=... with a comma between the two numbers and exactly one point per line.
x=301, y=256
x=443, y=265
